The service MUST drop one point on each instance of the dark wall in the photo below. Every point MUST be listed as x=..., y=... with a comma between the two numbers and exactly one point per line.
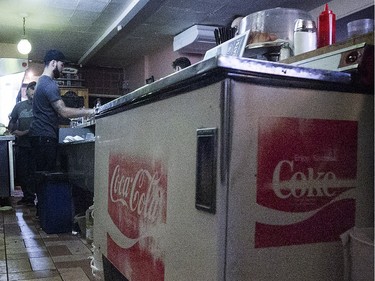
x=102, y=81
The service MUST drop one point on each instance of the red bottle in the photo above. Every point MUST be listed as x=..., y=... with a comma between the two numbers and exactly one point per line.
x=326, y=28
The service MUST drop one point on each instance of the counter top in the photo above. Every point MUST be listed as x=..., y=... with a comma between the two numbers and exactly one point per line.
x=77, y=142
x=221, y=67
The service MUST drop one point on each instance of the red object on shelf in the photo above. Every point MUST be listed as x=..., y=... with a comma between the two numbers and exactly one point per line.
x=326, y=28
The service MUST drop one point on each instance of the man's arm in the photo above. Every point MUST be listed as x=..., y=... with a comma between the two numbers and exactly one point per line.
x=12, y=125
x=13, y=117
x=19, y=133
x=70, y=112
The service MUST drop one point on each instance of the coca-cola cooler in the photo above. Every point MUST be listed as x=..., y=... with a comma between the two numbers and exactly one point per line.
x=233, y=169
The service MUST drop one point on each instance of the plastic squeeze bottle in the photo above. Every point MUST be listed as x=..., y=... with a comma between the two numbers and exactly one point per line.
x=326, y=28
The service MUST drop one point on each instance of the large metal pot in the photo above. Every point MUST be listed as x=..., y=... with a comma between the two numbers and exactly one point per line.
x=278, y=21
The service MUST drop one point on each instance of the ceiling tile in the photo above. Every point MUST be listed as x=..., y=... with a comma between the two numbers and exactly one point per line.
x=91, y=6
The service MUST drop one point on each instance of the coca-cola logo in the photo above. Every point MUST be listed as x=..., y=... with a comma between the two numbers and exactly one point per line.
x=307, y=170
x=303, y=164
x=137, y=194
x=137, y=204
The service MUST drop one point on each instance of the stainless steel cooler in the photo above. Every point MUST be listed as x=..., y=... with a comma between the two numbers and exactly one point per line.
x=233, y=169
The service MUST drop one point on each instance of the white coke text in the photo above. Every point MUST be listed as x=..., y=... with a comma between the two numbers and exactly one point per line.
x=311, y=184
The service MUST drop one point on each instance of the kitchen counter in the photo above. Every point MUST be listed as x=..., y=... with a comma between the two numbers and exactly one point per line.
x=7, y=138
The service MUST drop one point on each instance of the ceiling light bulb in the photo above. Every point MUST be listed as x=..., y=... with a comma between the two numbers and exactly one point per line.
x=24, y=46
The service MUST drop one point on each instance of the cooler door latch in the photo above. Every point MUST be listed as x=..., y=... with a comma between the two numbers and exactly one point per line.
x=205, y=187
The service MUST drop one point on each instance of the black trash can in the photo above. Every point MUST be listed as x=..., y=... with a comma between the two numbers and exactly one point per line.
x=55, y=202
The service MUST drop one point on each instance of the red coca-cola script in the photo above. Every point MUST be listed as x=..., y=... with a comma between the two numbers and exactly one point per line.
x=307, y=169
x=137, y=198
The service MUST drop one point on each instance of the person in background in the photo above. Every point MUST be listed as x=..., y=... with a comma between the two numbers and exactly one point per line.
x=47, y=107
x=19, y=124
x=181, y=63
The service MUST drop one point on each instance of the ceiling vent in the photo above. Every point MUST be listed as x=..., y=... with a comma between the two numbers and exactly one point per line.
x=195, y=40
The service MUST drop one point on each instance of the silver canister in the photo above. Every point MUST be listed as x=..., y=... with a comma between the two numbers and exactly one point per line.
x=304, y=36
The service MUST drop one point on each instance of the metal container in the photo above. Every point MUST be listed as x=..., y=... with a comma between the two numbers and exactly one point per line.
x=305, y=25
x=279, y=21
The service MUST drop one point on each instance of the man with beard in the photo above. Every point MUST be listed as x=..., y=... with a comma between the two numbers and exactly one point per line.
x=44, y=130
x=47, y=107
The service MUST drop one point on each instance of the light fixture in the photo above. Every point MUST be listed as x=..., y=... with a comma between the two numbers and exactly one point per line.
x=24, y=46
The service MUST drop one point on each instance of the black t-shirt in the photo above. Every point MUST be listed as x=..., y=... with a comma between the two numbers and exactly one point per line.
x=22, y=115
x=46, y=122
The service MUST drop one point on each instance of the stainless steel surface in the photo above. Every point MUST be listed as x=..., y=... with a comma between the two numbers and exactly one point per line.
x=305, y=25
x=222, y=66
x=333, y=60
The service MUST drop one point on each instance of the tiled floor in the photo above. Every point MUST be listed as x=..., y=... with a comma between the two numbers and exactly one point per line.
x=28, y=253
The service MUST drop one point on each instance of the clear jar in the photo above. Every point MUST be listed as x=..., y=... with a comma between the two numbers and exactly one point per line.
x=304, y=36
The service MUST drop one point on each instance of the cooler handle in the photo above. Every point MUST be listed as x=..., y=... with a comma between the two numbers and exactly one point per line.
x=205, y=186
